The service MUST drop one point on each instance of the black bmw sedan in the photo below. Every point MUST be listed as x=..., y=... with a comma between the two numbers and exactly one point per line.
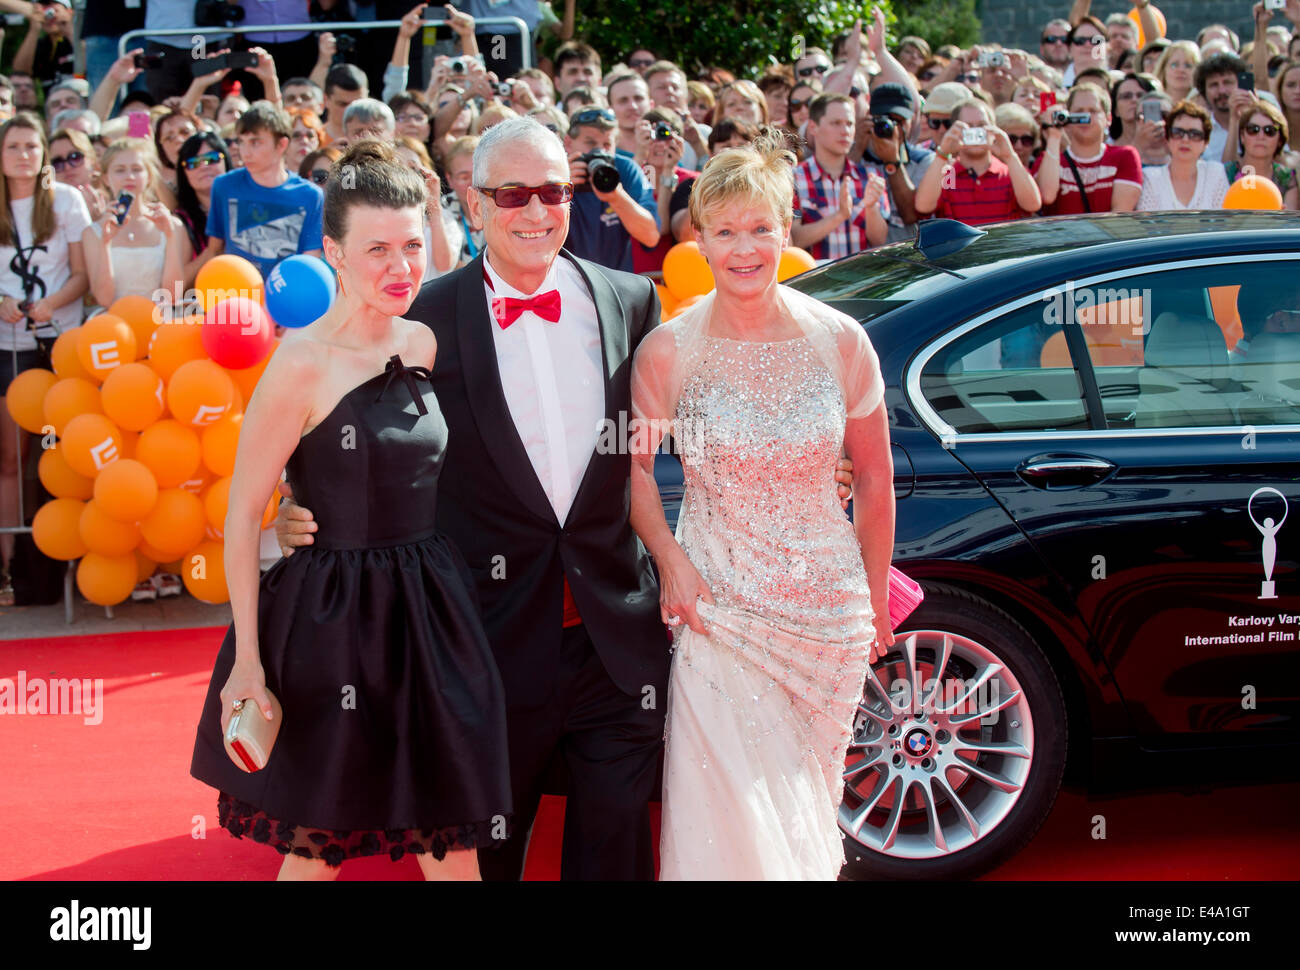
x=1096, y=441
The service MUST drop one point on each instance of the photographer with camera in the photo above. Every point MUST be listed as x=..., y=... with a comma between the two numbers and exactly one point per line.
x=1094, y=176
x=889, y=154
x=842, y=207
x=46, y=51
x=613, y=203
x=978, y=178
x=661, y=145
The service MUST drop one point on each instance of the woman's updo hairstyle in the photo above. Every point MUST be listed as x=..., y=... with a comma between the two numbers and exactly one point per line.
x=369, y=173
x=761, y=173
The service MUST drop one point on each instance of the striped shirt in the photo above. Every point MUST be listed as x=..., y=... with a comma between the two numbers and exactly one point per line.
x=978, y=199
x=817, y=196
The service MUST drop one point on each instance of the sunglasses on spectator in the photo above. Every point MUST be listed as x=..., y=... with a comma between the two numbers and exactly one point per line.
x=1191, y=134
x=1270, y=130
x=199, y=161
x=797, y=103
x=969, y=77
x=70, y=160
x=319, y=175
x=1056, y=38
x=587, y=115
x=1026, y=140
x=815, y=69
x=518, y=196
x=640, y=62
x=1093, y=39
x=412, y=117
x=937, y=123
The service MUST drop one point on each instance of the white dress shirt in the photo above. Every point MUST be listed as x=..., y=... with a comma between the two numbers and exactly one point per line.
x=553, y=376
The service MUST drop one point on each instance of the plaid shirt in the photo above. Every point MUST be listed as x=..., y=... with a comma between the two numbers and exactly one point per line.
x=817, y=196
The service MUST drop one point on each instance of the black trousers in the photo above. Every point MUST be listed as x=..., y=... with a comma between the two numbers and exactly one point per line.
x=611, y=743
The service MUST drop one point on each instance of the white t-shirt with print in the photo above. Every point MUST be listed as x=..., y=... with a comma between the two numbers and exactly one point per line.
x=50, y=264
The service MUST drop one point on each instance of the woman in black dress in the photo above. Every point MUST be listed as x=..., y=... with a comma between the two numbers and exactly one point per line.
x=393, y=738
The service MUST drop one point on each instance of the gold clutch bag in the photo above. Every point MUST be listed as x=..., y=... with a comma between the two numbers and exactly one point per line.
x=250, y=736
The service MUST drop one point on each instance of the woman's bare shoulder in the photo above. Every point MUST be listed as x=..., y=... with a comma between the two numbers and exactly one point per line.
x=422, y=345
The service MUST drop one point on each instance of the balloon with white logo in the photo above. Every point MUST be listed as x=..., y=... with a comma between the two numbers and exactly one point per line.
x=299, y=291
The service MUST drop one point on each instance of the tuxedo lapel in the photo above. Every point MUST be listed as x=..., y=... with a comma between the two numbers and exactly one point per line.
x=478, y=359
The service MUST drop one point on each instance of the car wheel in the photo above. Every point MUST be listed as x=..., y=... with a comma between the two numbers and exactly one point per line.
x=958, y=746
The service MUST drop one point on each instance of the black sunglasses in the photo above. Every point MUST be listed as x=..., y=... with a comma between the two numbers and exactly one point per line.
x=70, y=160
x=1093, y=39
x=797, y=103
x=1270, y=130
x=938, y=122
x=815, y=69
x=1190, y=134
x=319, y=175
x=517, y=196
x=1056, y=38
x=1026, y=140
x=587, y=115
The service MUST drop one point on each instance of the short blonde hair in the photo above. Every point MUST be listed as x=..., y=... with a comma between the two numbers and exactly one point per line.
x=758, y=174
x=1177, y=47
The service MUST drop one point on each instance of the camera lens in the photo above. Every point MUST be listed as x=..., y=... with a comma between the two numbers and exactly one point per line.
x=603, y=174
x=883, y=127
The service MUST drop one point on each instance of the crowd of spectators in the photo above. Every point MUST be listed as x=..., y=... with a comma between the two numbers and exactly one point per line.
x=182, y=150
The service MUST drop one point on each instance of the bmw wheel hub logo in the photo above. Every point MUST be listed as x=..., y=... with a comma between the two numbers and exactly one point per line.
x=918, y=743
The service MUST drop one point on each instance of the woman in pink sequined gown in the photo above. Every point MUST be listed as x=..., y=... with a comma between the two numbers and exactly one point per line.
x=778, y=603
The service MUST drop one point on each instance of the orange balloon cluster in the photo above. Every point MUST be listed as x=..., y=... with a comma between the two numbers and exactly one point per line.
x=139, y=428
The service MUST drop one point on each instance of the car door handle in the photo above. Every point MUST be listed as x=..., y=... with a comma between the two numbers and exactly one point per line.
x=1064, y=471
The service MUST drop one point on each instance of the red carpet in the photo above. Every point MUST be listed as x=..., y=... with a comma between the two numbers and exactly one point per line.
x=114, y=800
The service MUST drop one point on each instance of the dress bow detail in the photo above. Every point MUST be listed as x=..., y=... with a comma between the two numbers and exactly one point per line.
x=394, y=368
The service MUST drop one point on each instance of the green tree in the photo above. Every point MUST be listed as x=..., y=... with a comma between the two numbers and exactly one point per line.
x=939, y=22
x=743, y=36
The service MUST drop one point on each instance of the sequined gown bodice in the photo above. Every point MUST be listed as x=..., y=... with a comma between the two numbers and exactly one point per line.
x=760, y=711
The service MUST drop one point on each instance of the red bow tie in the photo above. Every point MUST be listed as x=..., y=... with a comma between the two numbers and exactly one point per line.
x=506, y=309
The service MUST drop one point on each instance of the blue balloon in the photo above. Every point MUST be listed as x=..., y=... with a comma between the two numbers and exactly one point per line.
x=299, y=290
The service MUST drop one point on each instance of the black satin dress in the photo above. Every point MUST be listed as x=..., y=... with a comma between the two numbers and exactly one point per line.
x=394, y=735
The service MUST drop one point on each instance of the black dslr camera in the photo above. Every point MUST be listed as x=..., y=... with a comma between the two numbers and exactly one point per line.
x=217, y=13
x=882, y=126
x=602, y=173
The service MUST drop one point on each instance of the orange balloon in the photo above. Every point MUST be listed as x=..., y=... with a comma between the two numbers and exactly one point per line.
x=56, y=529
x=246, y=378
x=793, y=262
x=666, y=300
x=130, y=439
x=220, y=442
x=170, y=450
x=126, y=490
x=1252, y=192
x=59, y=479
x=203, y=572
x=153, y=555
x=107, y=580
x=225, y=277
x=68, y=398
x=106, y=535
x=272, y=507
x=91, y=442
x=142, y=315
x=145, y=567
x=133, y=396
x=25, y=398
x=64, y=356
x=686, y=271
x=174, y=344
x=175, y=523
x=198, y=484
x=216, y=499
x=105, y=342
x=200, y=393
x=1142, y=38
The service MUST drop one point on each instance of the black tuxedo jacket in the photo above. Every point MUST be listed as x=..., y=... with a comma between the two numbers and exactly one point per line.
x=493, y=507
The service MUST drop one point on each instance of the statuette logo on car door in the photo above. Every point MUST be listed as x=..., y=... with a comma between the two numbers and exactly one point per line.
x=1269, y=530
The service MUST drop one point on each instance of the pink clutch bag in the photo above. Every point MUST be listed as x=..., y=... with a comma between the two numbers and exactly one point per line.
x=905, y=595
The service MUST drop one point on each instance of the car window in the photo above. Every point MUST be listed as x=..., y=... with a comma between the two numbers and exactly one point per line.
x=1204, y=347
x=996, y=379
